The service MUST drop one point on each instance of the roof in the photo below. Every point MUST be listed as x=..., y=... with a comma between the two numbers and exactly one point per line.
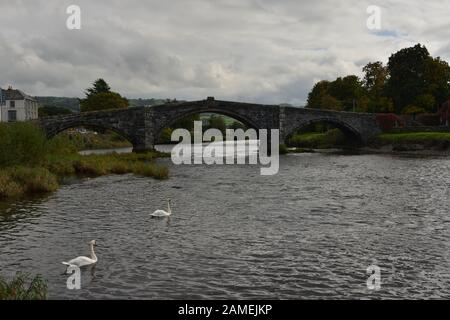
x=14, y=94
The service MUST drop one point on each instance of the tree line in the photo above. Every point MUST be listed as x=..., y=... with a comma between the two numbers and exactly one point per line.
x=412, y=82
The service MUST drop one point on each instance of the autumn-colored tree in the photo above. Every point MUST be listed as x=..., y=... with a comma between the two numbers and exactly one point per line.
x=411, y=83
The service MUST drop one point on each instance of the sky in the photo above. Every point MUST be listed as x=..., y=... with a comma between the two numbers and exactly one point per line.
x=262, y=51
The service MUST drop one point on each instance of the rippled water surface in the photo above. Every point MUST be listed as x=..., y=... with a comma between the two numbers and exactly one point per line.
x=309, y=232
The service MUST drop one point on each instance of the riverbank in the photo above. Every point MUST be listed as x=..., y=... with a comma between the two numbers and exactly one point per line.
x=408, y=143
x=95, y=141
x=420, y=143
x=30, y=164
x=19, y=181
x=318, y=140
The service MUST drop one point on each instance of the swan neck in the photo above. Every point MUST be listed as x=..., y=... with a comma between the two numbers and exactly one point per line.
x=168, y=207
x=93, y=256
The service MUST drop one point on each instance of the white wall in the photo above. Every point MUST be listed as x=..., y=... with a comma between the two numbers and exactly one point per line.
x=25, y=110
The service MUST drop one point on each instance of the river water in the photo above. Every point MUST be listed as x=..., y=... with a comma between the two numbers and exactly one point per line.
x=311, y=231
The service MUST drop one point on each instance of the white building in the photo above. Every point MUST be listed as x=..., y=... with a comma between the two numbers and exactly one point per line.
x=17, y=106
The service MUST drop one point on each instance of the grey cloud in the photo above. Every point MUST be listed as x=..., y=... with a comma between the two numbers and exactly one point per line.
x=251, y=50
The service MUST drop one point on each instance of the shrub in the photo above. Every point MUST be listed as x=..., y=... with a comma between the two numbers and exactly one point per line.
x=61, y=145
x=17, y=288
x=8, y=187
x=283, y=149
x=151, y=170
x=61, y=167
x=22, y=143
x=34, y=180
x=89, y=167
x=119, y=167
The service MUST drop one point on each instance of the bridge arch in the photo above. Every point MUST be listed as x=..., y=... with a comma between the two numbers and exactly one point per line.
x=53, y=131
x=348, y=130
x=249, y=123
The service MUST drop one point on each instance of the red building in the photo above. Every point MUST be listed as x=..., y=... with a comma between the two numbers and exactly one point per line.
x=388, y=121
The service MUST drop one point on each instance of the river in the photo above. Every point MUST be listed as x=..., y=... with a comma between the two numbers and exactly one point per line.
x=311, y=231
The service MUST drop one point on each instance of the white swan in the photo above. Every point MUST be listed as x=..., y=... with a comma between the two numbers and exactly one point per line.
x=84, y=261
x=162, y=213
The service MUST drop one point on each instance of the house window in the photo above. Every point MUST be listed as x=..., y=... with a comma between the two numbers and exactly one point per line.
x=12, y=115
x=12, y=104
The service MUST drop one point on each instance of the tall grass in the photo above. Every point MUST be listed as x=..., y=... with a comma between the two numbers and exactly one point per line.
x=21, y=144
x=17, y=181
x=29, y=163
x=21, y=287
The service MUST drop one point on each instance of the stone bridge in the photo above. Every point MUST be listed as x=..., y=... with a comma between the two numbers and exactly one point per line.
x=142, y=126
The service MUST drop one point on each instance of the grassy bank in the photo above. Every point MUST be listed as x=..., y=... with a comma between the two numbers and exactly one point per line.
x=414, y=137
x=413, y=141
x=31, y=164
x=315, y=140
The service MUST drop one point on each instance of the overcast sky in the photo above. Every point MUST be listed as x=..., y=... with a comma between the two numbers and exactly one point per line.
x=266, y=51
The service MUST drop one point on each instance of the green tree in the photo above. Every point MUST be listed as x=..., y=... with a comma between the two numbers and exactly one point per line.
x=99, y=86
x=425, y=102
x=166, y=135
x=340, y=94
x=237, y=125
x=375, y=77
x=407, y=75
x=413, y=110
x=317, y=93
x=380, y=105
x=186, y=123
x=437, y=81
x=374, y=83
x=104, y=101
x=100, y=97
x=331, y=103
x=217, y=122
x=347, y=90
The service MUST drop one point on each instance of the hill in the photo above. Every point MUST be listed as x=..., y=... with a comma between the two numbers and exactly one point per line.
x=72, y=104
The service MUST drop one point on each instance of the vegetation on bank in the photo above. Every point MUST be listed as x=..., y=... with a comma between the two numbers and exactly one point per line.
x=333, y=138
x=30, y=164
x=407, y=141
x=414, y=136
x=92, y=141
x=414, y=141
x=21, y=287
